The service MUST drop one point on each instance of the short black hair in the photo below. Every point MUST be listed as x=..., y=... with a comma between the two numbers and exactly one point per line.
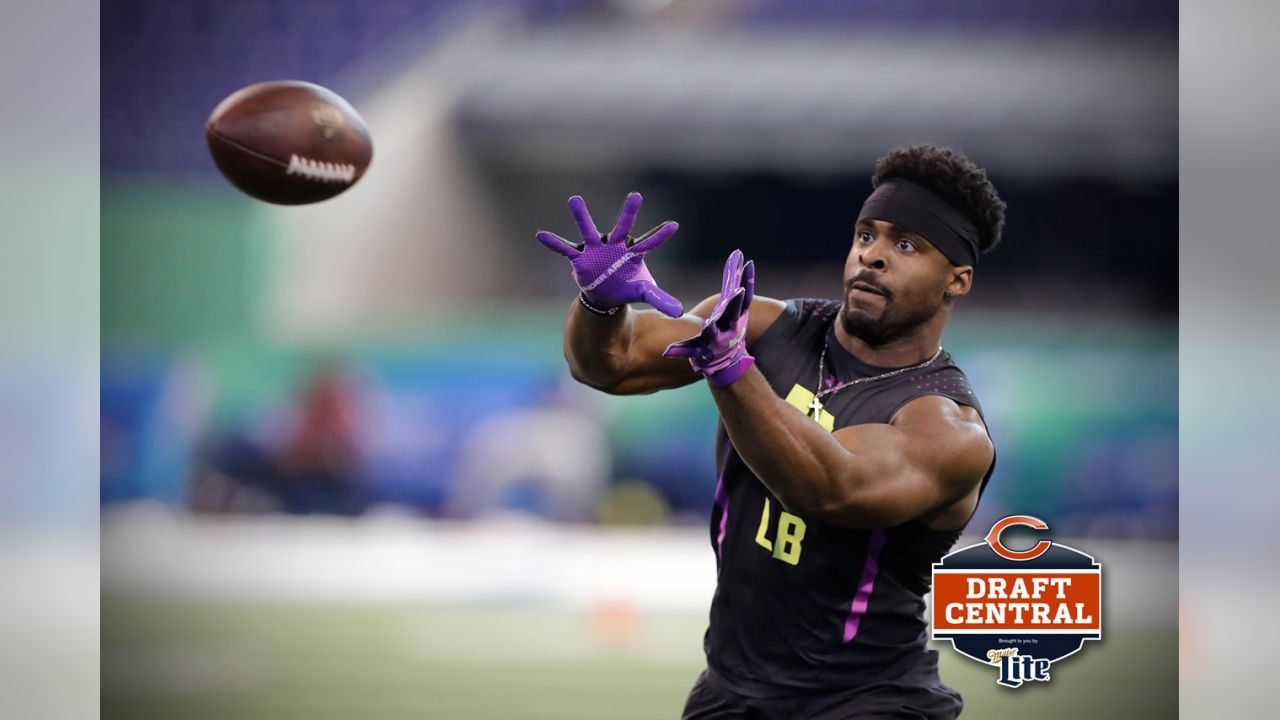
x=954, y=178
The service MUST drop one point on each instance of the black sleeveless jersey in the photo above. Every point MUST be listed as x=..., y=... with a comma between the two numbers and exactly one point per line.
x=802, y=605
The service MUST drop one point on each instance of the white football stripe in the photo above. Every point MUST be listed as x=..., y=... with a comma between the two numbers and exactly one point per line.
x=322, y=171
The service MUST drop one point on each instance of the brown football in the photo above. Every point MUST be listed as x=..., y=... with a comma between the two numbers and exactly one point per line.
x=288, y=142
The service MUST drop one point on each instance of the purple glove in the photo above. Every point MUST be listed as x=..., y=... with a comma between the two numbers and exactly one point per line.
x=720, y=350
x=612, y=273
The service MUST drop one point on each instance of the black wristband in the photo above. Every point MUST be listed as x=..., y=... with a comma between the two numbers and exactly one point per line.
x=582, y=298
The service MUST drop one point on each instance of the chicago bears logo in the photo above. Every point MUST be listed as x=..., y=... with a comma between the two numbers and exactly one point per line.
x=1019, y=610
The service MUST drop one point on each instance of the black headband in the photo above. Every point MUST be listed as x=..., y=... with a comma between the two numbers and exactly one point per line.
x=915, y=208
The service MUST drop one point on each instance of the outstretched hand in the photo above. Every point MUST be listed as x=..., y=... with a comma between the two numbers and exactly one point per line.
x=610, y=269
x=720, y=351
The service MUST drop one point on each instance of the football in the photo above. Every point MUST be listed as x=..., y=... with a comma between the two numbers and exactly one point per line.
x=288, y=142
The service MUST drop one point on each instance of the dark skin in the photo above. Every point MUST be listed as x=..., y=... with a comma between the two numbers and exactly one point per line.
x=926, y=463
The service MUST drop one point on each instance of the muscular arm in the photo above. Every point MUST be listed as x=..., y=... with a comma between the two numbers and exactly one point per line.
x=930, y=456
x=621, y=354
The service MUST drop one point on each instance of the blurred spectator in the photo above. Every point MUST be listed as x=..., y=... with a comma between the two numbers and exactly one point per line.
x=312, y=466
x=553, y=461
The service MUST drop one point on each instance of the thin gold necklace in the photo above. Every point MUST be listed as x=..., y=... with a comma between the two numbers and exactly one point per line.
x=815, y=407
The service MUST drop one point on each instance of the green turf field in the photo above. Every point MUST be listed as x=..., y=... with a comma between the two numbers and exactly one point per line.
x=314, y=662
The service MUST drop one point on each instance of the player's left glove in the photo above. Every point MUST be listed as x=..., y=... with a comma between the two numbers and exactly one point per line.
x=720, y=351
x=609, y=269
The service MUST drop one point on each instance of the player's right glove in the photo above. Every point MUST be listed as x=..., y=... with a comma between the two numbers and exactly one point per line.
x=720, y=351
x=610, y=269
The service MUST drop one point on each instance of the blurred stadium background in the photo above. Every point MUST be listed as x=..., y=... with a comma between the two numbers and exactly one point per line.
x=337, y=475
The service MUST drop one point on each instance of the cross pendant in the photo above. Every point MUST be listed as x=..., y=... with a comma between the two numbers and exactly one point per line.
x=815, y=408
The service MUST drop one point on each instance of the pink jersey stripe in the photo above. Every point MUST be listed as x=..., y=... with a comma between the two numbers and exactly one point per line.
x=722, y=501
x=870, y=570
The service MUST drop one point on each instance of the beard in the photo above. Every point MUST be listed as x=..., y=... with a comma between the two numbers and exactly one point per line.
x=878, y=328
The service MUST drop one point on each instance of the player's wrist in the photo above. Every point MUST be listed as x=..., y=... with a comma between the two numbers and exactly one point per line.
x=732, y=372
x=596, y=307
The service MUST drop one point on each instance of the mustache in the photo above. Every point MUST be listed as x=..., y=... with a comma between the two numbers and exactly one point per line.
x=866, y=279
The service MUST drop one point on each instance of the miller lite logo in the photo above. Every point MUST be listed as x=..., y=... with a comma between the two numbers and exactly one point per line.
x=1018, y=610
